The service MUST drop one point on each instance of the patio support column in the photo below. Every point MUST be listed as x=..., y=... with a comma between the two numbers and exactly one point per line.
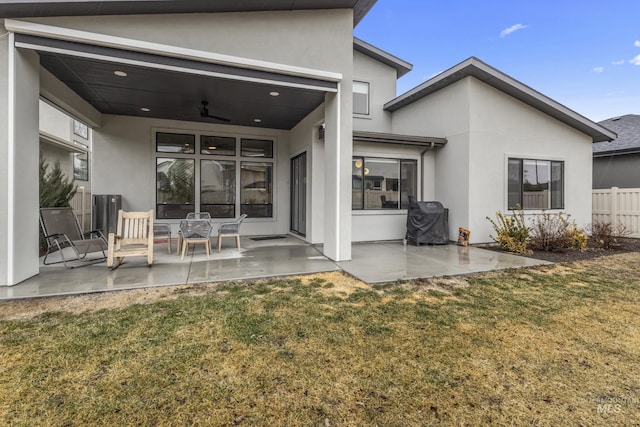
x=337, y=172
x=19, y=153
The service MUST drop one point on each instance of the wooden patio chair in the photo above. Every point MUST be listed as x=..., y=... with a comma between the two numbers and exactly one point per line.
x=61, y=230
x=230, y=229
x=133, y=237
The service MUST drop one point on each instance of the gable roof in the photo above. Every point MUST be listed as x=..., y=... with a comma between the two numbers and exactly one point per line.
x=628, y=141
x=42, y=8
x=473, y=67
x=402, y=67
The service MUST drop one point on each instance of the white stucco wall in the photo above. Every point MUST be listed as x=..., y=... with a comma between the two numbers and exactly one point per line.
x=124, y=164
x=382, y=89
x=304, y=138
x=484, y=127
x=444, y=114
x=4, y=153
x=54, y=122
x=304, y=38
x=23, y=167
x=504, y=127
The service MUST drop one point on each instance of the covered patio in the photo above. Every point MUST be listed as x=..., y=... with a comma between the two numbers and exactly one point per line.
x=376, y=262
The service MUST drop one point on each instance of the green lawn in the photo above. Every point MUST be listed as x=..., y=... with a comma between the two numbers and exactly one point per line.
x=554, y=345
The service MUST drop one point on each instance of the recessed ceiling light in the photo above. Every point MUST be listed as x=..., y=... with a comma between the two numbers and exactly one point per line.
x=145, y=109
x=120, y=73
x=274, y=93
x=211, y=147
x=257, y=120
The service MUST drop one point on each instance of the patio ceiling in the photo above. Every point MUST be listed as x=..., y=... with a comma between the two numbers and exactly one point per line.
x=149, y=85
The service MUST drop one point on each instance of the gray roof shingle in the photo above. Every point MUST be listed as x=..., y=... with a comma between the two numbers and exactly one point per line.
x=628, y=141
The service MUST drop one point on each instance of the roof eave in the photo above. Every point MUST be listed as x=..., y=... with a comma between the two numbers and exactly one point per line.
x=402, y=67
x=473, y=67
x=46, y=8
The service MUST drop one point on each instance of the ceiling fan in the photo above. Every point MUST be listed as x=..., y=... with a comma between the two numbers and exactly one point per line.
x=204, y=113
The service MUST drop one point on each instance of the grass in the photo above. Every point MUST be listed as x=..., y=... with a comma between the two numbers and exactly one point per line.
x=550, y=345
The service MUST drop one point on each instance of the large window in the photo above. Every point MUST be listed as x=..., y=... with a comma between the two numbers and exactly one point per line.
x=380, y=183
x=256, y=195
x=535, y=184
x=360, y=97
x=200, y=175
x=175, y=187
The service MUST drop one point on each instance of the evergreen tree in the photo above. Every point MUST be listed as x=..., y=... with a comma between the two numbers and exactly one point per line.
x=55, y=188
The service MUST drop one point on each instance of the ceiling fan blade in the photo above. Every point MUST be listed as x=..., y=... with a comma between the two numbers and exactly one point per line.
x=204, y=113
x=221, y=119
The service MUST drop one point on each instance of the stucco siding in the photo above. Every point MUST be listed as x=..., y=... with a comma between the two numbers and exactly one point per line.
x=444, y=114
x=25, y=201
x=305, y=138
x=4, y=153
x=382, y=88
x=616, y=171
x=503, y=127
x=313, y=39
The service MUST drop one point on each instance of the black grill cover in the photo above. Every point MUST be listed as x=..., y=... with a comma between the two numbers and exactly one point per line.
x=427, y=223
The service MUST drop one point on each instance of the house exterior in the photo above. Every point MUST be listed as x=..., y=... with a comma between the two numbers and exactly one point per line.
x=616, y=163
x=273, y=109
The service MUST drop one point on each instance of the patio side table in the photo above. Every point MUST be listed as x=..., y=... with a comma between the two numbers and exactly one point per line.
x=162, y=230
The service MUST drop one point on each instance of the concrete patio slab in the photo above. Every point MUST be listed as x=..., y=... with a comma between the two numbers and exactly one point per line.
x=256, y=259
x=382, y=262
x=377, y=262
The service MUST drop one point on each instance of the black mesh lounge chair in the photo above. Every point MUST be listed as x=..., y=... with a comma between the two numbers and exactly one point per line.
x=61, y=230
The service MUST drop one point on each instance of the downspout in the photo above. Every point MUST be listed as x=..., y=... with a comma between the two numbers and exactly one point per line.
x=422, y=172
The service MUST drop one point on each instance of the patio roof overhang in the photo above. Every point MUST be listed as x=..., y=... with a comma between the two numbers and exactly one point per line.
x=170, y=83
x=427, y=142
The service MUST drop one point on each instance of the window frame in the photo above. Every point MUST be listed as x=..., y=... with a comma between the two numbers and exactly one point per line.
x=398, y=181
x=368, y=94
x=550, y=199
x=198, y=156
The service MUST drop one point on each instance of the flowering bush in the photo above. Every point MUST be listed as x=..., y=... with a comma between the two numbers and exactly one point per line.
x=511, y=231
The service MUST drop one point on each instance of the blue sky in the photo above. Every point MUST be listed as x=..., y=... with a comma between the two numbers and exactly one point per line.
x=583, y=54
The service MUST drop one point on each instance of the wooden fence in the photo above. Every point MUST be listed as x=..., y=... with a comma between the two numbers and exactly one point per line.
x=81, y=204
x=618, y=205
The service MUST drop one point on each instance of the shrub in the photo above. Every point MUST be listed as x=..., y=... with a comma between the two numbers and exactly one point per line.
x=577, y=238
x=511, y=231
x=554, y=232
x=606, y=235
x=55, y=188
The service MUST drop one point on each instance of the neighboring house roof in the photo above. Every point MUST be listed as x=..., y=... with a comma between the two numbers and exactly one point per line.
x=628, y=141
x=34, y=8
x=402, y=67
x=473, y=67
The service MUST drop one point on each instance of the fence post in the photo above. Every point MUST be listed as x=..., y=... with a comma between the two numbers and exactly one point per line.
x=614, y=206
